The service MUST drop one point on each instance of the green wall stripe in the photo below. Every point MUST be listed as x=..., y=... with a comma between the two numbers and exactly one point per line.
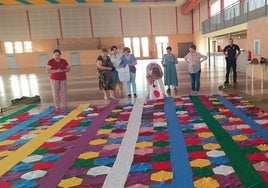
x=53, y=1
x=249, y=177
x=24, y=2
x=81, y=1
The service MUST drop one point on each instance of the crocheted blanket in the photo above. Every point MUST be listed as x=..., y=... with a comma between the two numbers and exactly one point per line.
x=188, y=141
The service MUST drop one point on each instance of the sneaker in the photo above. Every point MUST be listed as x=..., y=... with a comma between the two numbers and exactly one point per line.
x=196, y=93
x=226, y=82
x=129, y=95
x=135, y=95
x=192, y=93
x=235, y=82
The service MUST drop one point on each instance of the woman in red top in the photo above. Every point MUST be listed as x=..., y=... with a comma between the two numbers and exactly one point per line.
x=57, y=68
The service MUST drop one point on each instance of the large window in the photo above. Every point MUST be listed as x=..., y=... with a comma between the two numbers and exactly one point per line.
x=253, y=4
x=215, y=7
x=9, y=47
x=18, y=47
x=161, y=45
x=228, y=3
x=138, y=45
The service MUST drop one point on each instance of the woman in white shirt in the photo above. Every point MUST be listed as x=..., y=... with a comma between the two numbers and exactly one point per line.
x=194, y=60
x=115, y=57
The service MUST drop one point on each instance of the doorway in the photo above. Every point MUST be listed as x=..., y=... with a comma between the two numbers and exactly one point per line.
x=43, y=59
x=11, y=62
x=75, y=58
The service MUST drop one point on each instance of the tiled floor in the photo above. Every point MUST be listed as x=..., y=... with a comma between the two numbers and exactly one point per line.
x=83, y=83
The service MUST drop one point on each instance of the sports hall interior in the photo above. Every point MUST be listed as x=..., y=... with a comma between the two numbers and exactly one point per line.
x=32, y=29
x=80, y=30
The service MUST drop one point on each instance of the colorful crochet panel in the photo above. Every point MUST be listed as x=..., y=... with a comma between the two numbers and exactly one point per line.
x=189, y=141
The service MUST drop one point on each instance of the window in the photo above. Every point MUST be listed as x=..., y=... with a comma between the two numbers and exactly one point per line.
x=215, y=8
x=145, y=46
x=139, y=46
x=27, y=46
x=161, y=45
x=18, y=47
x=127, y=42
x=257, y=47
x=9, y=47
x=136, y=46
x=227, y=3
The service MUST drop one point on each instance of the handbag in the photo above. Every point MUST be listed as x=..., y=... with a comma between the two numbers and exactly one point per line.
x=124, y=74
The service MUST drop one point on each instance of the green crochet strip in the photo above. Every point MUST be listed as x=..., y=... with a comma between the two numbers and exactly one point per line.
x=249, y=177
x=14, y=114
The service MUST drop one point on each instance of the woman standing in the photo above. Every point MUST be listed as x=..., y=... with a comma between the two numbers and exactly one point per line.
x=170, y=74
x=57, y=68
x=194, y=60
x=116, y=60
x=130, y=60
x=105, y=67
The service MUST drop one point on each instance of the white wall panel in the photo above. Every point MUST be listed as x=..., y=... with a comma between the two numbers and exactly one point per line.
x=106, y=22
x=44, y=23
x=184, y=23
x=75, y=22
x=196, y=21
x=14, y=25
x=203, y=11
x=163, y=20
x=136, y=21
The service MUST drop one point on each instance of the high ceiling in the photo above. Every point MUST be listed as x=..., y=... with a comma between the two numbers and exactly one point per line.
x=59, y=2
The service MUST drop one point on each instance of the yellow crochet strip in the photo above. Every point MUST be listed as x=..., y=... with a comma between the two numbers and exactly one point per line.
x=15, y=157
x=67, y=1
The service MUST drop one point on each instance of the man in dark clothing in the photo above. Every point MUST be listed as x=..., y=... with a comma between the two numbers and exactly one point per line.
x=231, y=53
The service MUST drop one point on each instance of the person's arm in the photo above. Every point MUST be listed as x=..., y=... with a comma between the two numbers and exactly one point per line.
x=134, y=61
x=203, y=58
x=50, y=70
x=175, y=59
x=148, y=91
x=238, y=52
x=224, y=51
x=186, y=58
x=163, y=61
x=67, y=69
x=99, y=65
